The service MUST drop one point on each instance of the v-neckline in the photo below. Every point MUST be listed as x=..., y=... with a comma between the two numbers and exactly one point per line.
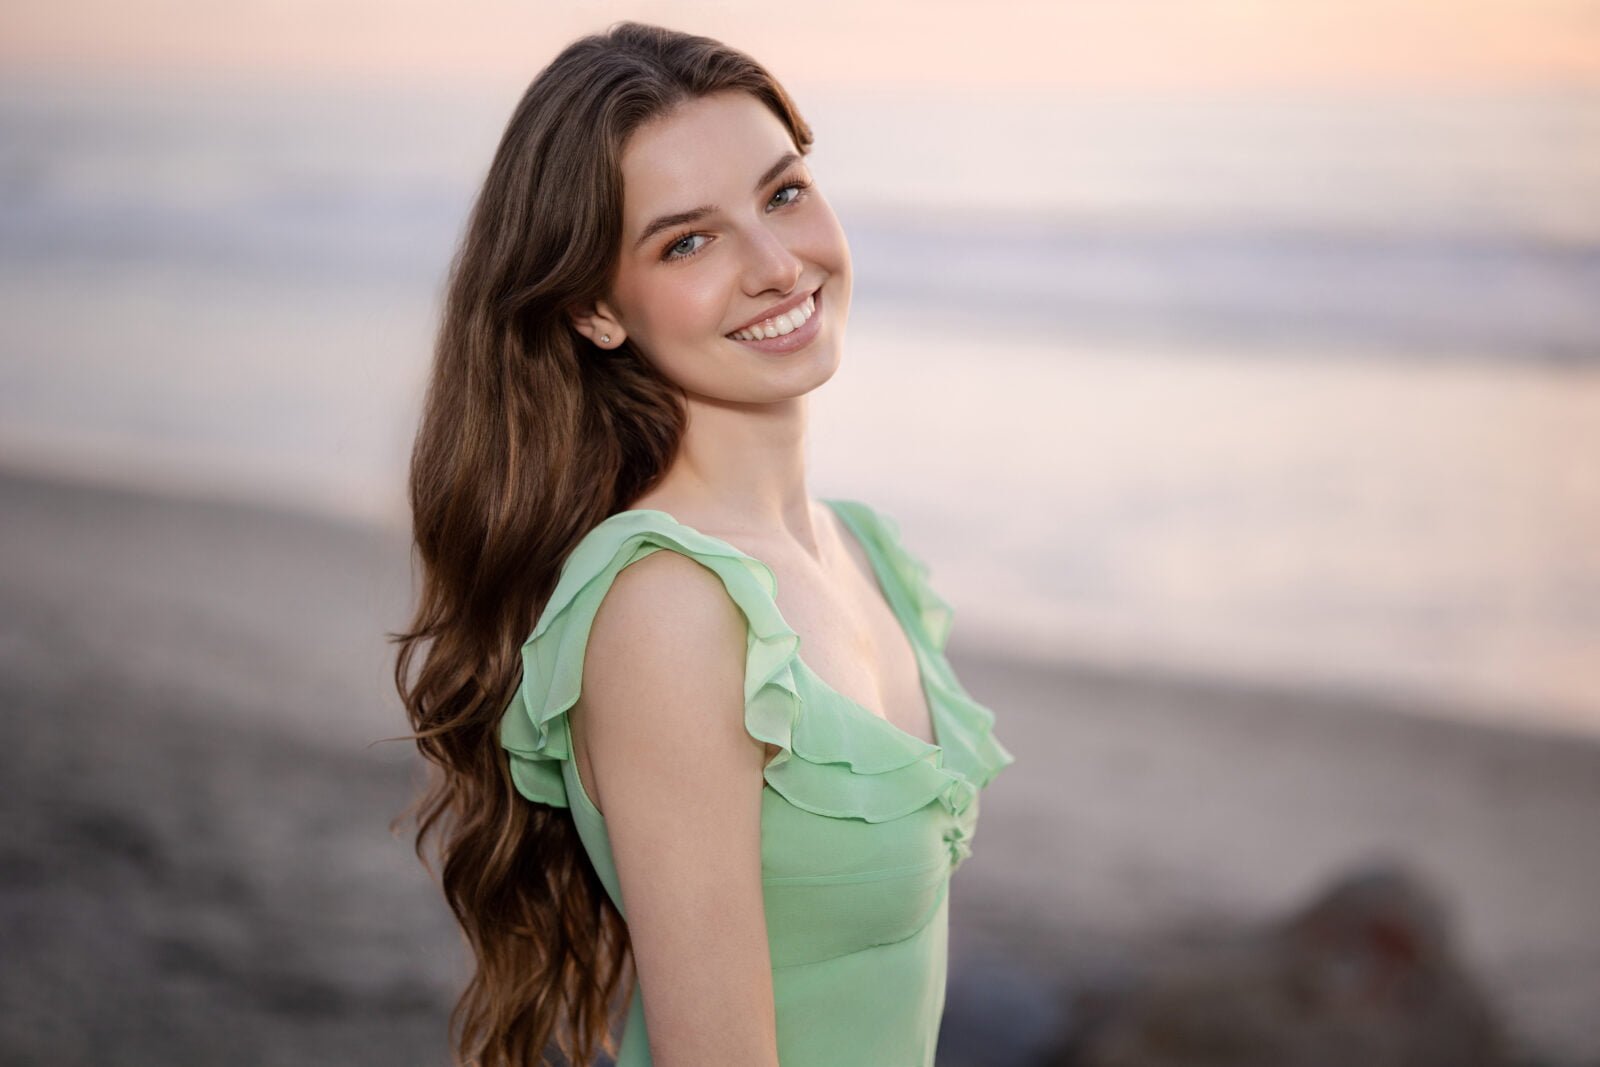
x=875, y=564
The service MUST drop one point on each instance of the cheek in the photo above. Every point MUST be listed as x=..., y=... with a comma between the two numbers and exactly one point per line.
x=828, y=241
x=690, y=304
x=831, y=250
x=825, y=243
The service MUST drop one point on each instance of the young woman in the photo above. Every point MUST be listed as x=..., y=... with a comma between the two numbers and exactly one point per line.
x=647, y=800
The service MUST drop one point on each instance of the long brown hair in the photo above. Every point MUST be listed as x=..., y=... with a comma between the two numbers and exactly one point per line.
x=530, y=436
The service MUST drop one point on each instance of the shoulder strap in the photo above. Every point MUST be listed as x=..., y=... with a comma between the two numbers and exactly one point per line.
x=881, y=535
x=970, y=745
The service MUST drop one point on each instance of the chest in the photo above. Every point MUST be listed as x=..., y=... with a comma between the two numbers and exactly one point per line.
x=851, y=637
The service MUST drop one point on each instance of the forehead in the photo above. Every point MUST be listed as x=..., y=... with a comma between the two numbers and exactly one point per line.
x=707, y=150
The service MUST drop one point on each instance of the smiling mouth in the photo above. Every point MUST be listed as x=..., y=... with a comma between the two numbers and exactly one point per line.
x=779, y=325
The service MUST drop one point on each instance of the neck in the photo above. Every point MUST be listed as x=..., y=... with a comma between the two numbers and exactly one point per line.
x=740, y=471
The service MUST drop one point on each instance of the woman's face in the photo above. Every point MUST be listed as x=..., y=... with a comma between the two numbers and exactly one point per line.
x=755, y=236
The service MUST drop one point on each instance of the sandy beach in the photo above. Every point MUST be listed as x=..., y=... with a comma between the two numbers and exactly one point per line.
x=197, y=867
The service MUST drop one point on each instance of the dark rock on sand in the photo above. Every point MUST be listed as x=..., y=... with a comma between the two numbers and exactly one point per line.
x=1366, y=974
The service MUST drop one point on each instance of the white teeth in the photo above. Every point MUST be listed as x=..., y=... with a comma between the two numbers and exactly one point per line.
x=779, y=324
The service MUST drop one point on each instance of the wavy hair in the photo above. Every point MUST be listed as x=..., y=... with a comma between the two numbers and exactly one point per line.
x=530, y=435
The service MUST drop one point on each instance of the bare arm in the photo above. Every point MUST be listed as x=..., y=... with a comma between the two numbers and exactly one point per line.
x=663, y=711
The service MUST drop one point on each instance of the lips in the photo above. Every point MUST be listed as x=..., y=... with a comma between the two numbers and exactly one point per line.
x=783, y=344
x=774, y=311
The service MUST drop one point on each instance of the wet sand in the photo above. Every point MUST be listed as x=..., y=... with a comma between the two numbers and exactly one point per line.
x=197, y=868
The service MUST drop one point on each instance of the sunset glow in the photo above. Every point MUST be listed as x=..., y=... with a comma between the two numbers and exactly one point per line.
x=1137, y=43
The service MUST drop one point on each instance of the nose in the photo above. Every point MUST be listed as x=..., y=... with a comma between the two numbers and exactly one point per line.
x=771, y=264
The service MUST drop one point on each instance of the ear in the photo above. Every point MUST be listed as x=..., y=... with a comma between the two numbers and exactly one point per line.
x=598, y=322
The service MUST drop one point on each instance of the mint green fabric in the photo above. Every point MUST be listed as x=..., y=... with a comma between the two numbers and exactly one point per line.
x=862, y=824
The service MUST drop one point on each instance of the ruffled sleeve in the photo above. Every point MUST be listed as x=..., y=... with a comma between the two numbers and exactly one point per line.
x=910, y=572
x=534, y=729
x=827, y=762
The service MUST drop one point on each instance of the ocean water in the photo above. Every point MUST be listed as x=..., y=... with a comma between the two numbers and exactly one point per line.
x=1299, y=387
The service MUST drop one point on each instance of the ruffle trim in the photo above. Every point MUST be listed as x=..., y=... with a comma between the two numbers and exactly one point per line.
x=827, y=762
x=883, y=534
x=967, y=728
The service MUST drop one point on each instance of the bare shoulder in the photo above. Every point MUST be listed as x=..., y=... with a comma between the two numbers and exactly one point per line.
x=663, y=679
x=662, y=613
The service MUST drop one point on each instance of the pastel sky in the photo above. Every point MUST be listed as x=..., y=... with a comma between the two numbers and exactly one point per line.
x=932, y=43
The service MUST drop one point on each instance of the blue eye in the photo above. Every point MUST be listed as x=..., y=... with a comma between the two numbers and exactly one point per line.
x=799, y=192
x=672, y=249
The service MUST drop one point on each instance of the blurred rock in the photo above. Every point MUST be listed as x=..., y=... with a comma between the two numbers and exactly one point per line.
x=1366, y=975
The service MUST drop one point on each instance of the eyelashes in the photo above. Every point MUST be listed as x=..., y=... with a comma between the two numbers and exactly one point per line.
x=800, y=191
x=671, y=255
x=668, y=255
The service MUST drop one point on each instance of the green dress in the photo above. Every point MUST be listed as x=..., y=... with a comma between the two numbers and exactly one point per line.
x=862, y=824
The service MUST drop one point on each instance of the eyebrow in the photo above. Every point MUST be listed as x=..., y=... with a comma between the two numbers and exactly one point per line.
x=696, y=214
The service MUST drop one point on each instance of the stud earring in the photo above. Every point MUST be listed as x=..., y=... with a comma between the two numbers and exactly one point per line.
x=605, y=338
